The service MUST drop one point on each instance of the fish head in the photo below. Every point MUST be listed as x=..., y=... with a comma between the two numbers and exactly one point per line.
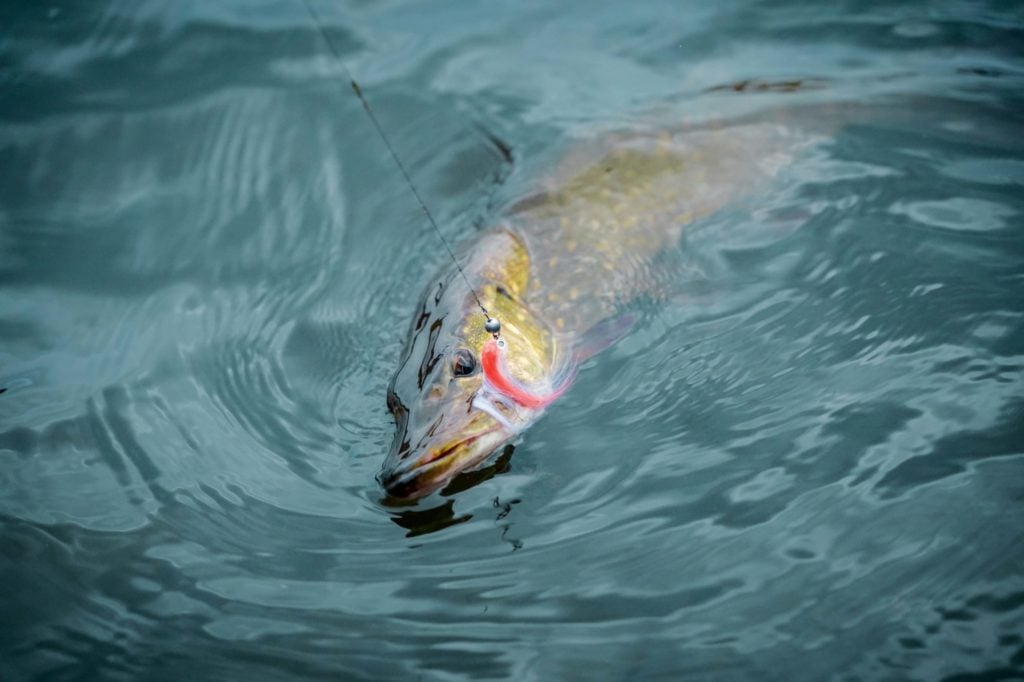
x=447, y=419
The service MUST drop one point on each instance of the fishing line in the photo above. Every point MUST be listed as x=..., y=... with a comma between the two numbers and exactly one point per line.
x=491, y=325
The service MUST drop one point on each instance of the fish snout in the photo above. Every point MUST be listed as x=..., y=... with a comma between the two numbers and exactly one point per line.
x=416, y=468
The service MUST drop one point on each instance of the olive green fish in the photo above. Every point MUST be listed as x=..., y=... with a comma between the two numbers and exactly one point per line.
x=558, y=269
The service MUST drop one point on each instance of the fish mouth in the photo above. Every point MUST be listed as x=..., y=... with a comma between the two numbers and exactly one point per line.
x=431, y=471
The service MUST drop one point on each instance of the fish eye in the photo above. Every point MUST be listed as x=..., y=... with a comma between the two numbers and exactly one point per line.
x=463, y=363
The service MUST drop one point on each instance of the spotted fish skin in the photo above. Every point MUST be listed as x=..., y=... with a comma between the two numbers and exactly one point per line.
x=560, y=263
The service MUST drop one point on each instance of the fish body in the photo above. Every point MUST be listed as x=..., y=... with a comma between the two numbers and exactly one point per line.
x=558, y=270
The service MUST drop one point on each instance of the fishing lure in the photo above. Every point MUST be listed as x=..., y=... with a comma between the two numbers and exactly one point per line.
x=496, y=377
x=500, y=390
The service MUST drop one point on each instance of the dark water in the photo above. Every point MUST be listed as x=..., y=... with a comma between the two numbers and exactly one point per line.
x=810, y=469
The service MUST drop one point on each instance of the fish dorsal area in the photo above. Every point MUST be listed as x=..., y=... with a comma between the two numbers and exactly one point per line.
x=600, y=220
x=592, y=237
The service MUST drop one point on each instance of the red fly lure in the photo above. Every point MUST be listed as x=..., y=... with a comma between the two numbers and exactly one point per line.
x=492, y=359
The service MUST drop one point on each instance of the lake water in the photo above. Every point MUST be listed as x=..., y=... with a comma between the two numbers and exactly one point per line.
x=809, y=467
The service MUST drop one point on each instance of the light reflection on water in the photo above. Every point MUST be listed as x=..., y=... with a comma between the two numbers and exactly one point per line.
x=806, y=467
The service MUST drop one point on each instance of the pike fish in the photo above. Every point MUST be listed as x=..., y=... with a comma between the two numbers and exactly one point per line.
x=559, y=269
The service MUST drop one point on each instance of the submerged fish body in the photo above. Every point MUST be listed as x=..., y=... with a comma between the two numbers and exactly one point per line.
x=557, y=271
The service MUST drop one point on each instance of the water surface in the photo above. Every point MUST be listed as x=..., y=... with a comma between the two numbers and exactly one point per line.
x=806, y=465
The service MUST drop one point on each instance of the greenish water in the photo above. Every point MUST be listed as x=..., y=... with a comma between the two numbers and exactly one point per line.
x=809, y=468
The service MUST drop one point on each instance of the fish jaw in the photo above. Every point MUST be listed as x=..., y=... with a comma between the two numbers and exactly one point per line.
x=410, y=475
